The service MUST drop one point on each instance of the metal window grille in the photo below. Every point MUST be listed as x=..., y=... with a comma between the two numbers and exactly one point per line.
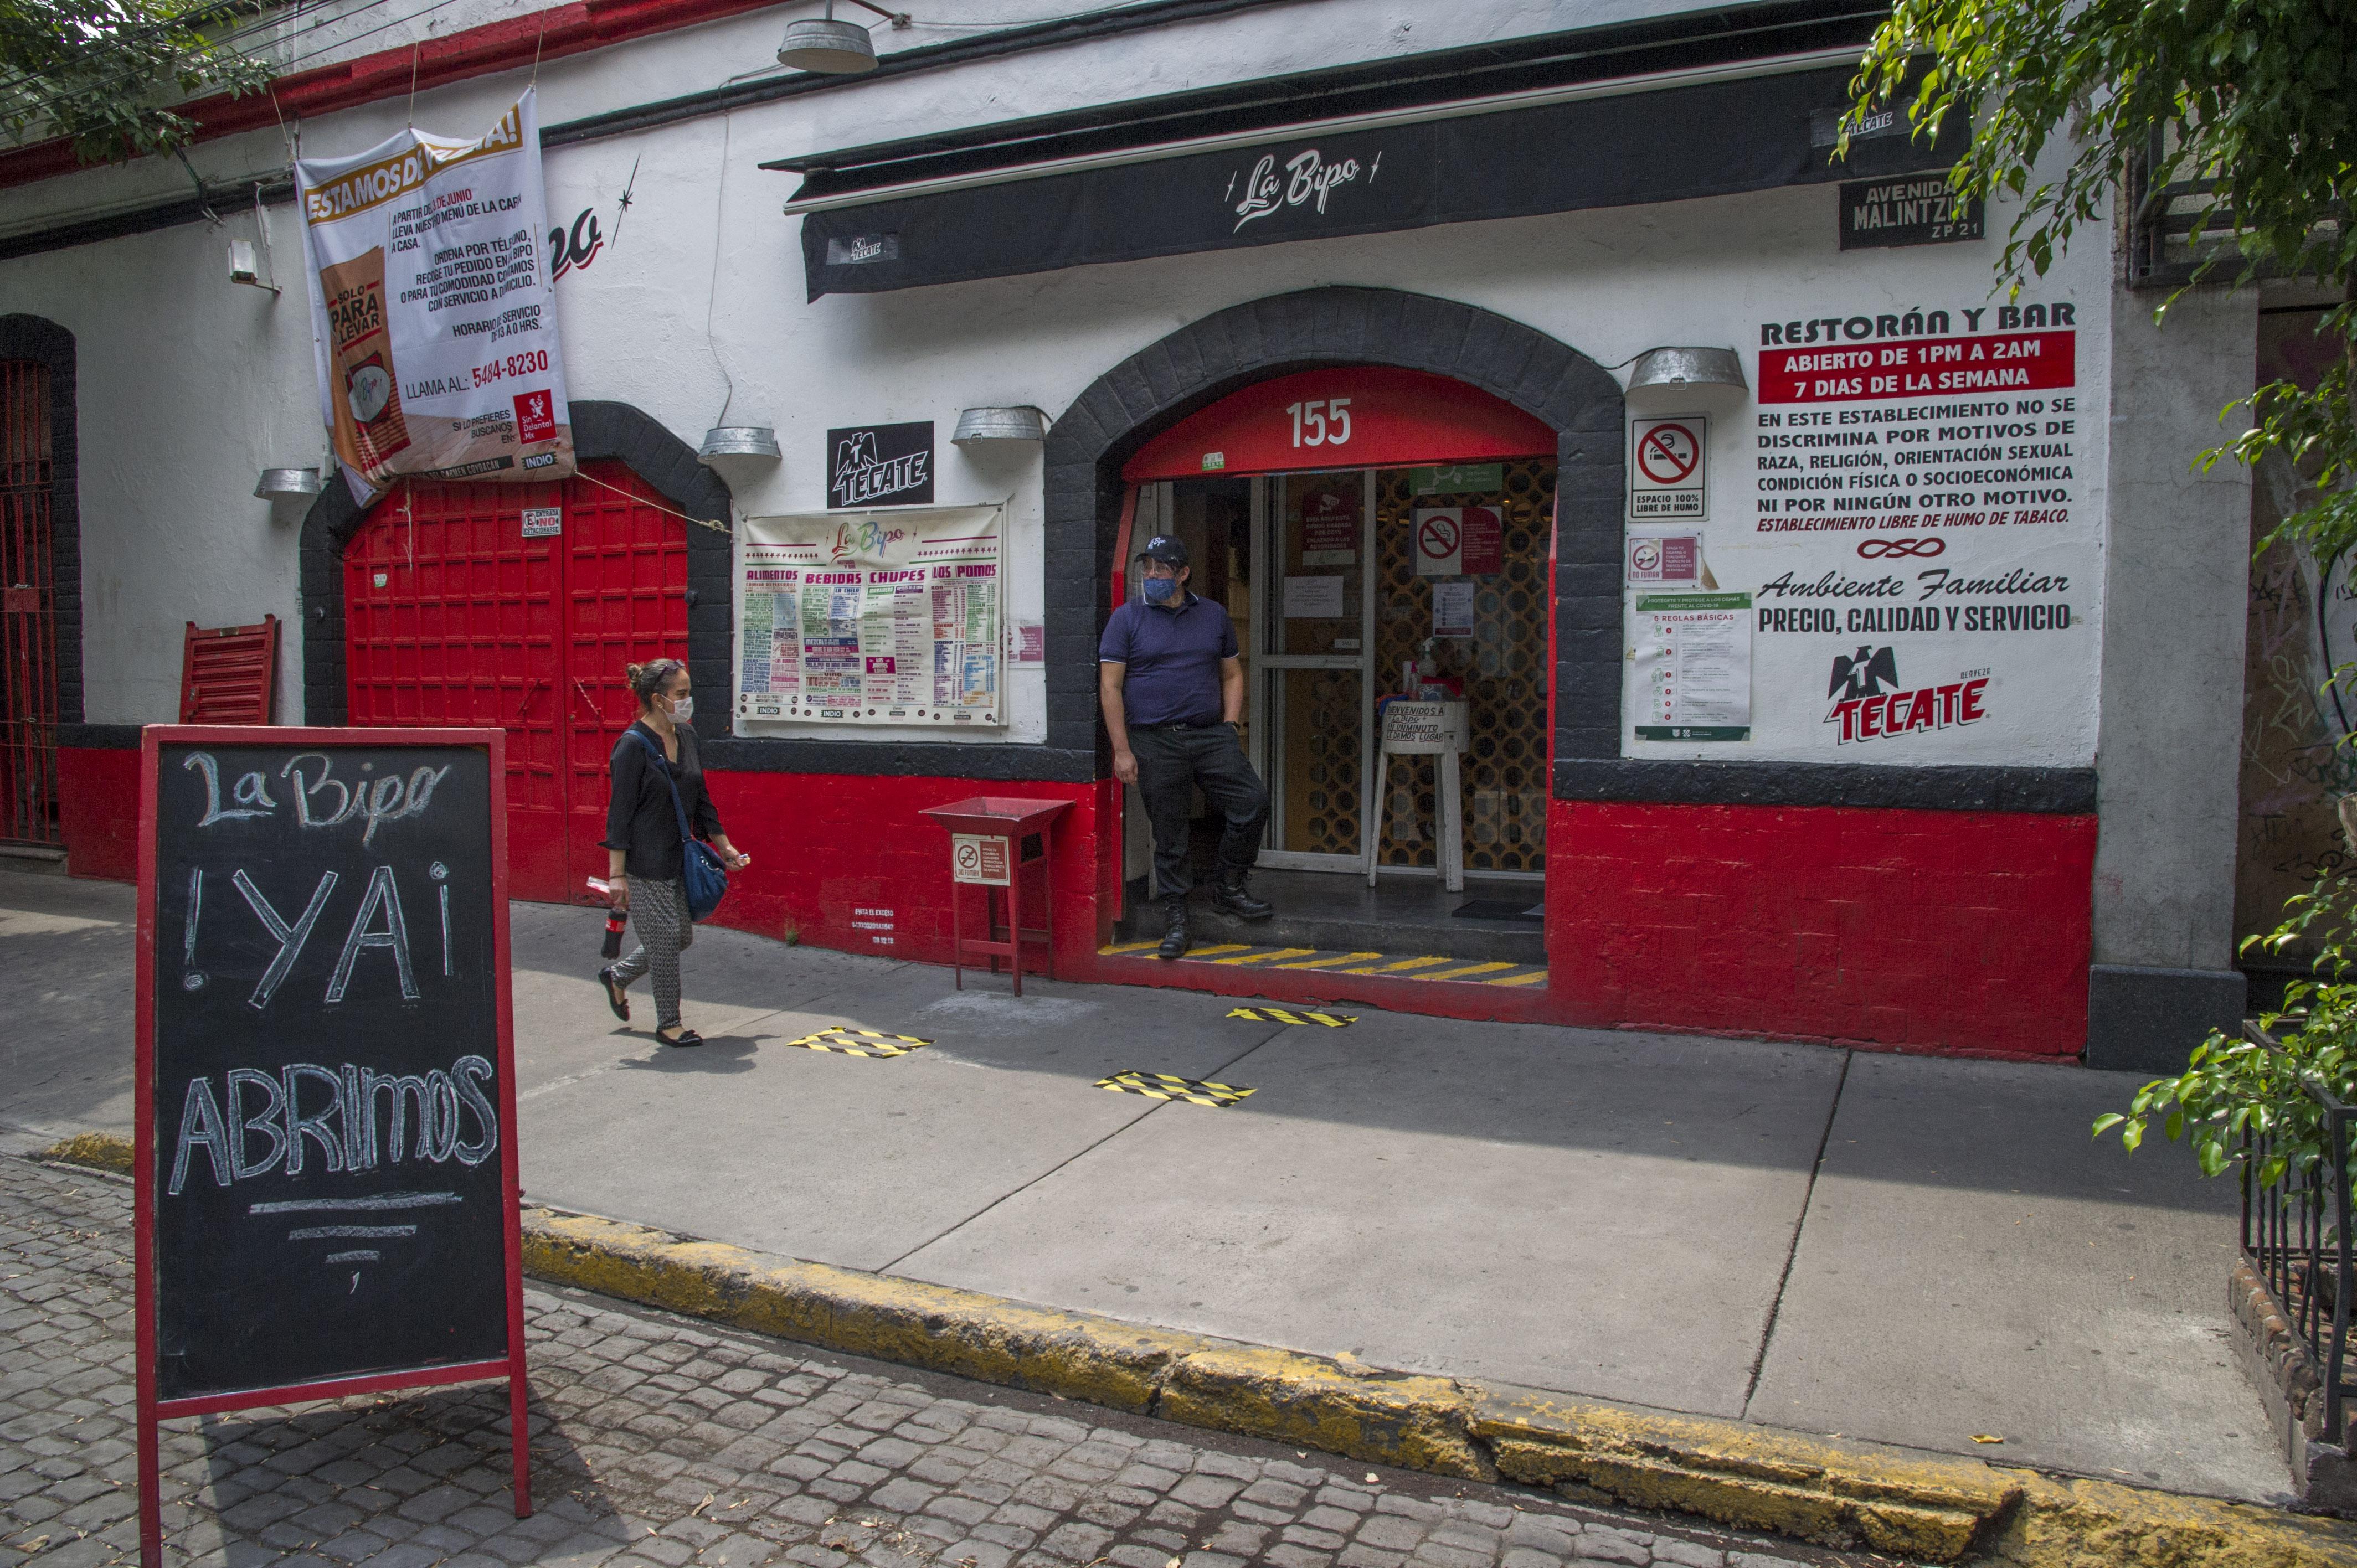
x=28, y=664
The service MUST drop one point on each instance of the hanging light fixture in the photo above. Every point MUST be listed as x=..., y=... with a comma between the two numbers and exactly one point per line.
x=287, y=484
x=828, y=47
x=739, y=441
x=1021, y=424
x=1688, y=368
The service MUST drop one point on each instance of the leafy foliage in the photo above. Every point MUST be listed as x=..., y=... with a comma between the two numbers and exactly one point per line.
x=2250, y=96
x=103, y=73
x=2231, y=1087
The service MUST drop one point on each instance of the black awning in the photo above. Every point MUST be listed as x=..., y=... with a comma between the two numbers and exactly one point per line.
x=1712, y=137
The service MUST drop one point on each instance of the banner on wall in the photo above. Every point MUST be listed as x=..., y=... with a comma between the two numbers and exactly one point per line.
x=1916, y=534
x=433, y=316
x=887, y=617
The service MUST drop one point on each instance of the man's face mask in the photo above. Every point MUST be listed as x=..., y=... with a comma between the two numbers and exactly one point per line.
x=1161, y=590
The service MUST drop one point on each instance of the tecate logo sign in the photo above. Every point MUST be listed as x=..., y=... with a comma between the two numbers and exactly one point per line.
x=880, y=465
x=1873, y=704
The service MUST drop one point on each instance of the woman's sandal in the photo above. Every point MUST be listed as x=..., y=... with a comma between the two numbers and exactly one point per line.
x=615, y=997
x=684, y=1037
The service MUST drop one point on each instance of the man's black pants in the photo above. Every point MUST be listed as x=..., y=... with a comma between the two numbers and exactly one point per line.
x=1171, y=763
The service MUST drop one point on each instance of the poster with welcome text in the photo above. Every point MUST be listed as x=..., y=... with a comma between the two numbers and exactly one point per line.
x=433, y=315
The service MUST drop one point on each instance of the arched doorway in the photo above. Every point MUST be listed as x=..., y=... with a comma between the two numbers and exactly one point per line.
x=1374, y=532
x=518, y=606
x=1091, y=508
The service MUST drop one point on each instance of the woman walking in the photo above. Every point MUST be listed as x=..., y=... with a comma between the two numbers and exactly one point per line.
x=643, y=850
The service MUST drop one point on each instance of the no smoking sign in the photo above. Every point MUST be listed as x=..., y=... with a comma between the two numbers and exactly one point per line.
x=1665, y=467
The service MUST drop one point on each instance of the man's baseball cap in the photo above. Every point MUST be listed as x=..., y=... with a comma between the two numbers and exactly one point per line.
x=1165, y=549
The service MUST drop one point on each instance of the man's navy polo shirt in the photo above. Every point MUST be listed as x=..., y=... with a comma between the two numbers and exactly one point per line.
x=1173, y=657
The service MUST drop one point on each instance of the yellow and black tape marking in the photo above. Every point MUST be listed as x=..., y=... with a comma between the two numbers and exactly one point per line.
x=1162, y=1086
x=860, y=1042
x=1386, y=966
x=1295, y=1015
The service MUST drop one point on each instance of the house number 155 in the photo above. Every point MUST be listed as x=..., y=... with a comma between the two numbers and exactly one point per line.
x=1314, y=418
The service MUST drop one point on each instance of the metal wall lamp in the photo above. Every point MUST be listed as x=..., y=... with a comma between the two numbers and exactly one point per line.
x=1688, y=368
x=831, y=47
x=739, y=441
x=1019, y=424
x=287, y=484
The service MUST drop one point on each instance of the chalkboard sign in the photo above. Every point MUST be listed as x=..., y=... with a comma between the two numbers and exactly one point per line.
x=327, y=1182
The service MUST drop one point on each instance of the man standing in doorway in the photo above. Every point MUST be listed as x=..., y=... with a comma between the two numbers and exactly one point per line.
x=1173, y=692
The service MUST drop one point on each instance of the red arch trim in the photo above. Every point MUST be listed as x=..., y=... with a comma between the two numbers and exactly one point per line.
x=1387, y=417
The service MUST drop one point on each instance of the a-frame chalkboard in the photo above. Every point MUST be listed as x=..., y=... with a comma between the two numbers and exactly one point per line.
x=327, y=1153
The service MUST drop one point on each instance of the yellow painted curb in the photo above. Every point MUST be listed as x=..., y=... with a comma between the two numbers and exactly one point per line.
x=1843, y=1494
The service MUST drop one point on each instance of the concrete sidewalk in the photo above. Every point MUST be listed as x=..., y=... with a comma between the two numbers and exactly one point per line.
x=1901, y=1249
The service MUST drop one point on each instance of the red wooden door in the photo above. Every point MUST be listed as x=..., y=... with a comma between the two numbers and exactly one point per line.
x=454, y=617
x=625, y=601
x=29, y=643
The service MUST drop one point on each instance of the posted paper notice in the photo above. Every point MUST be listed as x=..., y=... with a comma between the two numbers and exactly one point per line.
x=1693, y=664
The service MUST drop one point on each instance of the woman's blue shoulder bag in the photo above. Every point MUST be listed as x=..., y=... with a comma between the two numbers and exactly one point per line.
x=700, y=870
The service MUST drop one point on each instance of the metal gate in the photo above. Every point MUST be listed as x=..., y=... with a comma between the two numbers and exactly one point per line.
x=29, y=637
x=454, y=615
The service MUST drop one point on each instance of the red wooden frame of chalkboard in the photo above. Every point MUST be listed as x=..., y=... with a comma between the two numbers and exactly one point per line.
x=153, y=1410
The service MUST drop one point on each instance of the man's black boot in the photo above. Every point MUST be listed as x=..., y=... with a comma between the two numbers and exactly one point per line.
x=1235, y=897
x=1174, y=935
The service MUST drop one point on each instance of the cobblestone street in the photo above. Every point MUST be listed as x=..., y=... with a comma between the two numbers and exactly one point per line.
x=658, y=1444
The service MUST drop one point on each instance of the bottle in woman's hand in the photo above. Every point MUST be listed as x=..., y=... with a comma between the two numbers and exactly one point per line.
x=615, y=920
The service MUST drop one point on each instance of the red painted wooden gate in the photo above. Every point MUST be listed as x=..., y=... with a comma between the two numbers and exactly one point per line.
x=29, y=683
x=454, y=617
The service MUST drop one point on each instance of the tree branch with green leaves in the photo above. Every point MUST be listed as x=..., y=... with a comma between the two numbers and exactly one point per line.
x=2249, y=100
x=106, y=74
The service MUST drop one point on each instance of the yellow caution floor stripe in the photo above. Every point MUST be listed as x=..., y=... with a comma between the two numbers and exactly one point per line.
x=1425, y=966
x=852, y=1042
x=1461, y=973
x=1295, y=1015
x=1166, y=1086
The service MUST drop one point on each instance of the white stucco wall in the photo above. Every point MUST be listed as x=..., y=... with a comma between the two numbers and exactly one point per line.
x=189, y=385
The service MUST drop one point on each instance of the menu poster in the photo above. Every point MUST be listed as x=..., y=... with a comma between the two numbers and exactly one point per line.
x=874, y=618
x=1693, y=666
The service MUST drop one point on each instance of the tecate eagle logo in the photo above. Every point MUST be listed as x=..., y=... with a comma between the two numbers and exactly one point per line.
x=1306, y=177
x=1871, y=704
x=862, y=479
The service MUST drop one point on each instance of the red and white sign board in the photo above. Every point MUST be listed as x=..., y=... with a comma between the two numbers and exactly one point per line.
x=979, y=857
x=1665, y=467
x=1347, y=416
x=1458, y=541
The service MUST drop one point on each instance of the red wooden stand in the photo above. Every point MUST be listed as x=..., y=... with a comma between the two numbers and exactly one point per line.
x=1018, y=824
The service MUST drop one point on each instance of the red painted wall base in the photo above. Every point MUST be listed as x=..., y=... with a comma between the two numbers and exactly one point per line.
x=1959, y=932
x=1951, y=932
x=846, y=861
x=97, y=808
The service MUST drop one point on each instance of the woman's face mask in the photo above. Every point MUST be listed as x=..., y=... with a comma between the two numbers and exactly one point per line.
x=683, y=707
x=1161, y=590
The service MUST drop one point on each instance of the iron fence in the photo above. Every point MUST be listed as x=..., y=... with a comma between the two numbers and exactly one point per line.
x=2295, y=1236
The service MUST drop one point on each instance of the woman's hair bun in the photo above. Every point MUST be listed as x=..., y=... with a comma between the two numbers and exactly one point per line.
x=646, y=680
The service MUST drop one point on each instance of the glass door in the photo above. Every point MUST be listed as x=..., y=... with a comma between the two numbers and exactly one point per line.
x=1312, y=678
